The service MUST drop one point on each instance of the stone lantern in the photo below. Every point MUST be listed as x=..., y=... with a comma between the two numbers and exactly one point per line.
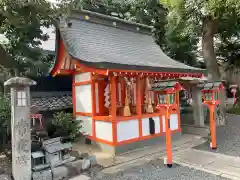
x=20, y=127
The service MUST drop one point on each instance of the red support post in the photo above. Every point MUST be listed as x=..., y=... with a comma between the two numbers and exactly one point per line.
x=213, y=127
x=234, y=96
x=168, y=138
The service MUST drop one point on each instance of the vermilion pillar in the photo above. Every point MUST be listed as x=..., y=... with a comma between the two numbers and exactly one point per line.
x=168, y=138
x=213, y=126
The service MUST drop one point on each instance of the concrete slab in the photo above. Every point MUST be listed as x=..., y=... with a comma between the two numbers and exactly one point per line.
x=223, y=168
x=233, y=162
x=215, y=163
x=195, y=158
x=230, y=176
x=81, y=177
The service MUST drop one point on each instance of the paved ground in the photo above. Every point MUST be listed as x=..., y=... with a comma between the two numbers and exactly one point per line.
x=228, y=138
x=154, y=170
x=215, y=163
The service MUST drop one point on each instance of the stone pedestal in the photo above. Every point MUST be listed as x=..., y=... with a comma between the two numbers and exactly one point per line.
x=198, y=113
x=20, y=127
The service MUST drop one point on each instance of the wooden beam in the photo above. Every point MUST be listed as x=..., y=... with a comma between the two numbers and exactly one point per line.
x=139, y=102
x=93, y=105
x=113, y=110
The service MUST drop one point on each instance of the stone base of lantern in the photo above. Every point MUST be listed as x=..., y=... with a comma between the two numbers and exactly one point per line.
x=114, y=150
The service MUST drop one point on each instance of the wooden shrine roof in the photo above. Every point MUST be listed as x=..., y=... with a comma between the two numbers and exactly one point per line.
x=106, y=42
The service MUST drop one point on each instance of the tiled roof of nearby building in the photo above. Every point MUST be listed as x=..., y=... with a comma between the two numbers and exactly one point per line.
x=49, y=101
x=107, y=42
x=52, y=93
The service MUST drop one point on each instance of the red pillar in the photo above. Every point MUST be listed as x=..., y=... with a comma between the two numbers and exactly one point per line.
x=168, y=138
x=113, y=111
x=213, y=126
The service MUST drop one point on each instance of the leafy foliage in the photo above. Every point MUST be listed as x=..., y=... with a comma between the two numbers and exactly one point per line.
x=193, y=16
x=235, y=109
x=5, y=111
x=67, y=124
x=5, y=119
x=22, y=23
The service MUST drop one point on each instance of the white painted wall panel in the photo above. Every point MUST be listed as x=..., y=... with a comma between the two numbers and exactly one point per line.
x=174, y=121
x=157, y=124
x=145, y=127
x=83, y=98
x=104, y=130
x=83, y=77
x=86, y=123
x=127, y=130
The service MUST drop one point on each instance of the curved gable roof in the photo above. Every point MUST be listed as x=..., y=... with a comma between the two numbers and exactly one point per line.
x=107, y=42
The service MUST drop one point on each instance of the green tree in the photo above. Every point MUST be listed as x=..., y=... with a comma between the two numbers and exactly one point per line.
x=66, y=123
x=22, y=22
x=208, y=19
x=5, y=119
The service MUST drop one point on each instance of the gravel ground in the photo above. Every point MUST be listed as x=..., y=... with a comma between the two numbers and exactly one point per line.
x=154, y=170
x=5, y=169
x=228, y=138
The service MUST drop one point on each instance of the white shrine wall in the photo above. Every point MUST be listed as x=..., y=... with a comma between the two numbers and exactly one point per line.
x=173, y=122
x=127, y=130
x=145, y=125
x=83, y=98
x=83, y=93
x=82, y=77
x=86, y=123
x=104, y=130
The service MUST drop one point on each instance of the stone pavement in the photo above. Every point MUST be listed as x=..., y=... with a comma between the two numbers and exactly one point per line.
x=153, y=170
x=158, y=150
x=214, y=163
x=189, y=164
x=192, y=157
x=228, y=137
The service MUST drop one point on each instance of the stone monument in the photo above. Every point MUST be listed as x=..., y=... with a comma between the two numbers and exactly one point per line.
x=20, y=127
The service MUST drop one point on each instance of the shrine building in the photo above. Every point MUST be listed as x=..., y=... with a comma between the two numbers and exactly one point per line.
x=114, y=64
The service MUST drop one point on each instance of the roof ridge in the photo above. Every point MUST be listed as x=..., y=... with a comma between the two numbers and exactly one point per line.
x=91, y=16
x=112, y=18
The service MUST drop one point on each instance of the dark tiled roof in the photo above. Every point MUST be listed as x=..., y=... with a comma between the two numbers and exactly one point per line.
x=106, y=42
x=163, y=85
x=49, y=101
x=210, y=85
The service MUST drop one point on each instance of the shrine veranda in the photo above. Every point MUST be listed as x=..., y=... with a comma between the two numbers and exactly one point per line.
x=114, y=64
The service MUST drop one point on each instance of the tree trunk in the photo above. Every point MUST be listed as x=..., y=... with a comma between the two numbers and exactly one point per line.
x=209, y=30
